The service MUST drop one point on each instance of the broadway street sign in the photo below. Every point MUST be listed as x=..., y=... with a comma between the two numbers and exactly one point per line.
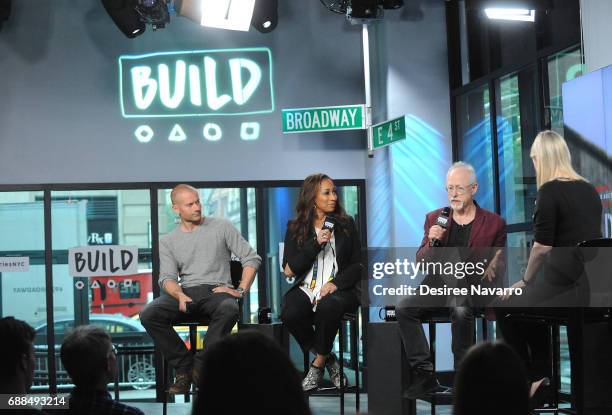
x=300, y=120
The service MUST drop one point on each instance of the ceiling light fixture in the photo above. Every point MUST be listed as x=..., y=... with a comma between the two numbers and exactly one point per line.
x=523, y=15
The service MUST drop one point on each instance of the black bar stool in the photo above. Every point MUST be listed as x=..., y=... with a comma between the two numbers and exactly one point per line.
x=193, y=338
x=445, y=397
x=192, y=324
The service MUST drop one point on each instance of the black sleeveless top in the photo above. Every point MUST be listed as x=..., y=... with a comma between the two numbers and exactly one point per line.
x=566, y=213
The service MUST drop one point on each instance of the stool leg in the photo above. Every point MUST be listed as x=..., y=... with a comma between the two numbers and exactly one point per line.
x=193, y=341
x=432, y=348
x=485, y=329
x=556, y=359
x=575, y=329
x=341, y=358
x=306, y=362
x=165, y=374
x=412, y=408
x=116, y=387
x=355, y=353
x=306, y=368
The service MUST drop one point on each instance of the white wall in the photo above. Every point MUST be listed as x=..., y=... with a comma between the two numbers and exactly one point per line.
x=596, y=33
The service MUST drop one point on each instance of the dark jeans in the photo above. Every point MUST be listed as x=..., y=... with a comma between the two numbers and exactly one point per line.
x=299, y=318
x=159, y=316
x=410, y=312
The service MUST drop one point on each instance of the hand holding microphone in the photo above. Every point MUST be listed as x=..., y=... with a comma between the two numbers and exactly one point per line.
x=436, y=232
x=323, y=237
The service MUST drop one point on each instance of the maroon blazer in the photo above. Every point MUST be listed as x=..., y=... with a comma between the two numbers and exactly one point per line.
x=488, y=230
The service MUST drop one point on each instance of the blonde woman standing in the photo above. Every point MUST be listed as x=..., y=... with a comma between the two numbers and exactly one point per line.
x=568, y=211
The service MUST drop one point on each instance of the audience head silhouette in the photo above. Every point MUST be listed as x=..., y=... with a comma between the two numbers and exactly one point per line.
x=16, y=356
x=247, y=372
x=89, y=358
x=491, y=380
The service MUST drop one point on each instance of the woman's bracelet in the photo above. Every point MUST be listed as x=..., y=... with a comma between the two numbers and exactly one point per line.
x=525, y=281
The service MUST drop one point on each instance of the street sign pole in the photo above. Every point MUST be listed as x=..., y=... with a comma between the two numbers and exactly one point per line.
x=368, y=93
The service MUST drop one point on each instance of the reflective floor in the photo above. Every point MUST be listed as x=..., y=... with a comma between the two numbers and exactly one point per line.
x=318, y=405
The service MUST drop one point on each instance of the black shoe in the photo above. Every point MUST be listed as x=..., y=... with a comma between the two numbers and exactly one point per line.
x=195, y=376
x=543, y=396
x=182, y=384
x=423, y=382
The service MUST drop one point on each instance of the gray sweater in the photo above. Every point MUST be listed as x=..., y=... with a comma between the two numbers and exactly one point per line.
x=203, y=256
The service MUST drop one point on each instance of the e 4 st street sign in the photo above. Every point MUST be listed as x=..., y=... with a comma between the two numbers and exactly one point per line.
x=302, y=120
x=389, y=132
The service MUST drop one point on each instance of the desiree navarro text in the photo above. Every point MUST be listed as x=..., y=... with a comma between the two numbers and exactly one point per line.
x=474, y=290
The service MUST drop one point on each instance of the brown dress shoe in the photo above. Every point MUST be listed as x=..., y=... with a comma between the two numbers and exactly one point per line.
x=182, y=384
x=195, y=376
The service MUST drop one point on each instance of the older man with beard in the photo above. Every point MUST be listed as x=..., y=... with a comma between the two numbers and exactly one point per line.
x=472, y=231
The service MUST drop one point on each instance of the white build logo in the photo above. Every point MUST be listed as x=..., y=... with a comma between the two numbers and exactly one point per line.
x=203, y=83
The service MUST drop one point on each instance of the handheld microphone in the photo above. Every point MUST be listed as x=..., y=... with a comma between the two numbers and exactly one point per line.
x=329, y=223
x=442, y=222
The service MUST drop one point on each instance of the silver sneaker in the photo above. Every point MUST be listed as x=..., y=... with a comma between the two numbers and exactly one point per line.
x=313, y=378
x=333, y=368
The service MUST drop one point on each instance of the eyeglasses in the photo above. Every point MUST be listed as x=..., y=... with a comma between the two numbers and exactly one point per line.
x=459, y=189
x=114, y=349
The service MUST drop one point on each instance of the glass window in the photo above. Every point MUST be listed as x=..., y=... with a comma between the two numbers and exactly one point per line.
x=23, y=287
x=515, y=131
x=562, y=67
x=493, y=44
x=103, y=217
x=475, y=141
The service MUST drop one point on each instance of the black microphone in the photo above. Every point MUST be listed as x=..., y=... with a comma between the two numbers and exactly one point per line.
x=328, y=223
x=442, y=222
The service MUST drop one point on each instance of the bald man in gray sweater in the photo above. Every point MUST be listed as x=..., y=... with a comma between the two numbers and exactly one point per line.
x=199, y=252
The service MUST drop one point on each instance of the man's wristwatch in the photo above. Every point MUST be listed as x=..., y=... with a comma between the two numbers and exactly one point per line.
x=241, y=291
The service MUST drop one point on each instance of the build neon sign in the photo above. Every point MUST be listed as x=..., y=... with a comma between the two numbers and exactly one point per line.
x=223, y=82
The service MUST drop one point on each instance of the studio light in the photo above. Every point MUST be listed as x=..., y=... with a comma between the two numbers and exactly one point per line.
x=392, y=4
x=5, y=11
x=523, y=15
x=364, y=9
x=227, y=14
x=336, y=6
x=153, y=12
x=132, y=16
x=265, y=15
x=220, y=14
x=512, y=10
x=361, y=11
x=125, y=16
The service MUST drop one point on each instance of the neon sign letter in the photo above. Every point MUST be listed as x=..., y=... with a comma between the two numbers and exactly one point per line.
x=172, y=101
x=197, y=83
x=142, y=82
